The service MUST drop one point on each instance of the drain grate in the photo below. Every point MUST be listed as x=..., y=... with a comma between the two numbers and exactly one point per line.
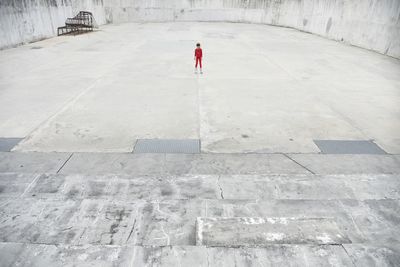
x=6, y=144
x=348, y=147
x=190, y=146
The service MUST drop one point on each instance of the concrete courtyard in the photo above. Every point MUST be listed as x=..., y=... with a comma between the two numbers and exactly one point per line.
x=264, y=89
x=261, y=192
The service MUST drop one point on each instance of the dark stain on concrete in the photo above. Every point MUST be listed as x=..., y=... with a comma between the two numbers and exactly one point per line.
x=96, y=188
x=328, y=25
x=167, y=190
x=72, y=193
x=118, y=217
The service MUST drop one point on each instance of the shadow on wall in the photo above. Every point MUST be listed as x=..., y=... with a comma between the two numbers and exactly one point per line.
x=373, y=24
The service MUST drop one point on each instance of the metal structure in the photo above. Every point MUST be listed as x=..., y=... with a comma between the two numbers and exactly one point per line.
x=83, y=22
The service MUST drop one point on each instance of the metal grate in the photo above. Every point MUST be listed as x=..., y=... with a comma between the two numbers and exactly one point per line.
x=6, y=144
x=348, y=147
x=190, y=146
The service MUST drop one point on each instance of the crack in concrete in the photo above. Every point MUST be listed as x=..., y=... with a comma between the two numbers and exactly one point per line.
x=166, y=235
x=130, y=233
x=348, y=255
x=208, y=257
x=220, y=188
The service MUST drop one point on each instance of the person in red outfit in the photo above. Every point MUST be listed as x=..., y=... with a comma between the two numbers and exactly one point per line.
x=198, y=55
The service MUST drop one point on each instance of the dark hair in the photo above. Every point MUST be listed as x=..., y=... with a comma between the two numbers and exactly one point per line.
x=198, y=44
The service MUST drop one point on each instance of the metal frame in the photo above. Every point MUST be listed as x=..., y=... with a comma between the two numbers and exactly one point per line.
x=83, y=22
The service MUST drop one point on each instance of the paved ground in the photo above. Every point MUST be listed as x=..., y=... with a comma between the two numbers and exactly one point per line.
x=73, y=194
x=265, y=89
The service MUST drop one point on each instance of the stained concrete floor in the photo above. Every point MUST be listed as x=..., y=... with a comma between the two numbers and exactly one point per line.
x=271, y=91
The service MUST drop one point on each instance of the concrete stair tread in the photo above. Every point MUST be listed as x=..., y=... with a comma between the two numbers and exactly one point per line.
x=131, y=187
x=260, y=232
x=360, y=255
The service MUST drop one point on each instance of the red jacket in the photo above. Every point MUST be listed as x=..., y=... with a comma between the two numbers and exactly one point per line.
x=198, y=53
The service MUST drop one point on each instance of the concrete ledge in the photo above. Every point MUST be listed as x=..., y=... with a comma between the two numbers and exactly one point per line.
x=20, y=254
x=179, y=164
x=348, y=164
x=260, y=232
x=164, y=187
x=32, y=162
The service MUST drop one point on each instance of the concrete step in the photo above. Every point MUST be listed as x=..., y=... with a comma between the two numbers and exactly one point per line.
x=161, y=187
x=180, y=164
x=261, y=232
x=162, y=210
x=173, y=222
x=360, y=255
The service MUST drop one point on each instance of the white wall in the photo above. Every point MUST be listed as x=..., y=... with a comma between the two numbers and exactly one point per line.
x=23, y=21
x=371, y=24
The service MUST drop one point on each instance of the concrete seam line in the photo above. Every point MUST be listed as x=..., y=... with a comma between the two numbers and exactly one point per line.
x=62, y=166
x=134, y=146
x=299, y=163
x=347, y=253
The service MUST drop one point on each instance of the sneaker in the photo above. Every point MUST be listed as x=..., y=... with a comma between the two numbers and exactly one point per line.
x=201, y=71
x=195, y=71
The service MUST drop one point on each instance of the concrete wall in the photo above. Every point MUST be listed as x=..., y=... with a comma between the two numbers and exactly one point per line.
x=23, y=21
x=371, y=24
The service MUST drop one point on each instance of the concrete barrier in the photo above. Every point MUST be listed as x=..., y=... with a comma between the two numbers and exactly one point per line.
x=371, y=24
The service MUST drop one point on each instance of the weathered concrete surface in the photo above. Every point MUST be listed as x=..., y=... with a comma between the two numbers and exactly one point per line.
x=115, y=187
x=197, y=164
x=260, y=232
x=173, y=222
x=17, y=254
x=163, y=187
x=40, y=255
x=32, y=162
x=179, y=164
x=281, y=90
x=346, y=164
x=309, y=186
x=138, y=219
x=97, y=222
x=373, y=255
x=125, y=209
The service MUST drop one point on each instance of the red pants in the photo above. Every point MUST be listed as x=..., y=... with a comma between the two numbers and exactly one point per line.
x=198, y=60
